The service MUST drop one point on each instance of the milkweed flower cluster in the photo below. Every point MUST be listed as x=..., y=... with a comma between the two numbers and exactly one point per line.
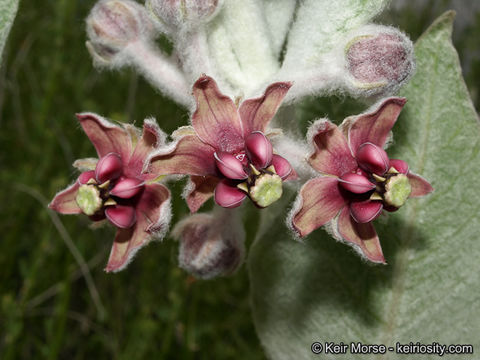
x=242, y=60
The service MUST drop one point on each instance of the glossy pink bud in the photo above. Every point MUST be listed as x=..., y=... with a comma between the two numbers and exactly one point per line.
x=127, y=188
x=228, y=196
x=282, y=166
x=121, y=216
x=108, y=167
x=365, y=211
x=85, y=176
x=259, y=149
x=230, y=166
x=399, y=165
x=372, y=158
x=356, y=183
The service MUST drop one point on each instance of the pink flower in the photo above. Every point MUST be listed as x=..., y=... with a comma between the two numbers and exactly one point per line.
x=360, y=180
x=226, y=152
x=115, y=187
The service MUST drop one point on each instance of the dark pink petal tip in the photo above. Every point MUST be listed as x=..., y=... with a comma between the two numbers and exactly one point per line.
x=365, y=211
x=230, y=166
x=121, y=216
x=356, y=183
x=259, y=149
x=399, y=165
x=228, y=196
x=108, y=167
x=282, y=166
x=86, y=176
x=127, y=188
x=372, y=158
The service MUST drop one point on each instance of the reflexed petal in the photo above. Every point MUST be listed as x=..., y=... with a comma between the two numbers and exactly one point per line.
x=127, y=188
x=121, y=216
x=331, y=153
x=227, y=195
x=216, y=119
x=230, y=166
x=365, y=211
x=318, y=202
x=64, y=202
x=375, y=126
x=356, y=183
x=259, y=149
x=188, y=156
x=372, y=158
x=198, y=190
x=257, y=113
x=85, y=176
x=108, y=167
x=282, y=166
x=106, y=136
x=362, y=236
x=399, y=165
x=420, y=186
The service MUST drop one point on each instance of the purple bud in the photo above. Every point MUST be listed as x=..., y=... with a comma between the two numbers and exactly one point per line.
x=228, y=196
x=282, y=166
x=178, y=14
x=356, y=183
x=230, y=166
x=399, y=165
x=127, y=188
x=121, y=216
x=108, y=167
x=381, y=59
x=85, y=176
x=210, y=245
x=365, y=211
x=259, y=149
x=372, y=158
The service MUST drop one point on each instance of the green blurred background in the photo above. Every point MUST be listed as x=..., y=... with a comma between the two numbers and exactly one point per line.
x=55, y=299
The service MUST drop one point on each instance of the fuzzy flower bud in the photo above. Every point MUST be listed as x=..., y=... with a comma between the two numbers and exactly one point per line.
x=211, y=245
x=177, y=14
x=114, y=24
x=379, y=59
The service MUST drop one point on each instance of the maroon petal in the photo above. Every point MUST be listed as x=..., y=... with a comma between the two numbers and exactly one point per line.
x=85, y=176
x=153, y=216
x=106, y=136
x=375, y=126
x=356, y=183
x=363, y=236
x=365, y=211
x=331, y=153
x=127, y=188
x=189, y=156
x=399, y=165
x=257, y=113
x=230, y=166
x=259, y=149
x=152, y=137
x=216, y=119
x=227, y=195
x=420, y=186
x=318, y=202
x=372, y=158
x=121, y=216
x=64, y=202
x=199, y=190
x=282, y=166
x=109, y=167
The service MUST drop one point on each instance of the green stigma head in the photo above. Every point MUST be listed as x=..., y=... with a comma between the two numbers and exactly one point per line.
x=266, y=190
x=88, y=199
x=397, y=190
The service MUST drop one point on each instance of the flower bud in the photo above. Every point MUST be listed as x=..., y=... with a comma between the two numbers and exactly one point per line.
x=113, y=24
x=177, y=14
x=380, y=60
x=211, y=245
